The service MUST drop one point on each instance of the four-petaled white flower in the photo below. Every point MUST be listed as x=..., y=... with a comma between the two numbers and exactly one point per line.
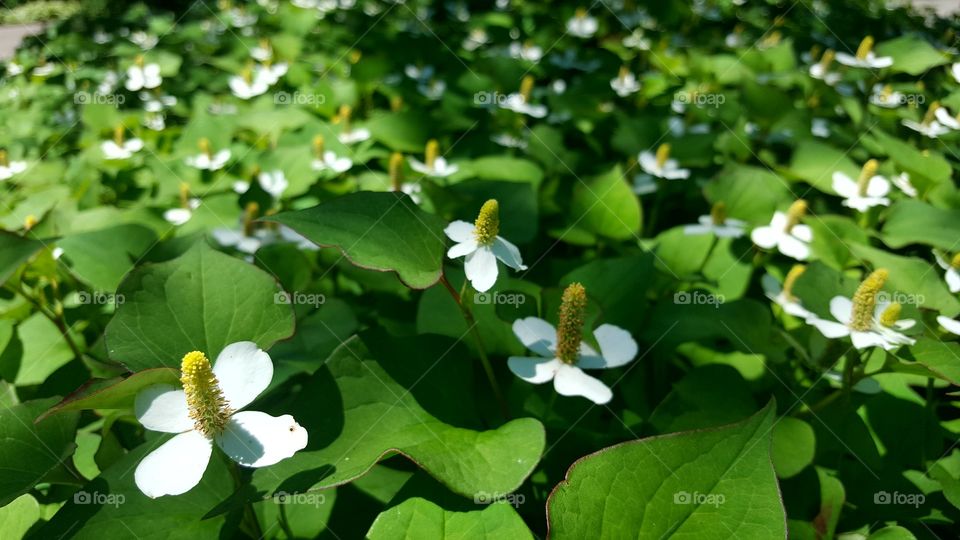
x=661, y=165
x=481, y=247
x=353, y=136
x=332, y=162
x=943, y=116
x=273, y=182
x=123, y=149
x=209, y=162
x=875, y=335
x=782, y=295
x=865, y=57
x=582, y=25
x=205, y=412
x=625, y=84
x=563, y=362
x=786, y=233
x=525, y=51
x=10, y=168
x=143, y=76
x=952, y=268
x=519, y=103
x=438, y=169
x=821, y=70
x=717, y=223
x=179, y=216
x=885, y=96
x=869, y=191
x=246, y=87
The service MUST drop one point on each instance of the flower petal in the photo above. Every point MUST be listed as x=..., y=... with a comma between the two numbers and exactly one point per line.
x=481, y=268
x=462, y=249
x=534, y=369
x=953, y=280
x=256, y=439
x=863, y=340
x=537, y=335
x=841, y=307
x=617, y=347
x=792, y=247
x=572, y=381
x=460, y=231
x=508, y=253
x=174, y=468
x=878, y=187
x=949, y=324
x=163, y=407
x=829, y=329
x=244, y=371
x=766, y=237
x=844, y=185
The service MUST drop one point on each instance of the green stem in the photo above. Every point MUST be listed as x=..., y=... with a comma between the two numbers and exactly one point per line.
x=472, y=327
x=249, y=522
x=285, y=523
x=56, y=318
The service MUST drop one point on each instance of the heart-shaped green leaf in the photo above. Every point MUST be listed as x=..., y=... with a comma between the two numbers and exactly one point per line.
x=915, y=222
x=378, y=231
x=420, y=518
x=116, y=393
x=714, y=483
x=201, y=301
x=101, y=258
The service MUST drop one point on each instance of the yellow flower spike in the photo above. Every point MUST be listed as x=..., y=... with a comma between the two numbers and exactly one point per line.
x=773, y=39
x=573, y=307
x=796, y=211
x=184, y=195
x=792, y=276
x=827, y=59
x=118, y=134
x=865, y=47
x=204, y=145
x=526, y=88
x=891, y=315
x=396, y=170
x=955, y=262
x=318, y=146
x=931, y=113
x=868, y=171
x=138, y=60
x=718, y=213
x=249, y=214
x=247, y=74
x=343, y=117
x=487, y=225
x=30, y=222
x=865, y=300
x=580, y=13
x=208, y=408
x=431, y=152
x=663, y=154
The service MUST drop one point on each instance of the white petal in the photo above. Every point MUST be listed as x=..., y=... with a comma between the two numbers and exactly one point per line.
x=508, y=253
x=617, y=347
x=878, y=187
x=256, y=439
x=766, y=237
x=844, y=185
x=572, y=381
x=244, y=371
x=949, y=324
x=462, y=249
x=802, y=232
x=481, y=268
x=163, y=407
x=697, y=230
x=841, y=307
x=177, y=216
x=460, y=231
x=792, y=247
x=175, y=467
x=771, y=287
x=537, y=335
x=863, y=340
x=953, y=280
x=829, y=329
x=534, y=369
x=905, y=324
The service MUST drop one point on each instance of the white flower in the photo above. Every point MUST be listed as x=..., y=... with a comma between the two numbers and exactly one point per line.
x=145, y=76
x=661, y=165
x=236, y=238
x=206, y=161
x=331, y=162
x=179, y=216
x=949, y=324
x=582, y=25
x=821, y=72
x=884, y=96
x=516, y=102
x=43, y=70
x=902, y=181
x=637, y=40
x=625, y=84
x=253, y=439
x=433, y=89
x=865, y=57
x=475, y=39
x=413, y=190
x=353, y=136
x=820, y=127
x=112, y=150
x=783, y=298
x=943, y=116
x=785, y=233
x=930, y=129
x=617, y=348
x=877, y=335
x=144, y=40
x=14, y=69
x=727, y=228
x=10, y=168
x=871, y=190
x=273, y=182
x=438, y=169
x=952, y=275
x=509, y=141
x=481, y=246
x=525, y=51
x=418, y=73
x=955, y=71
x=270, y=74
x=243, y=88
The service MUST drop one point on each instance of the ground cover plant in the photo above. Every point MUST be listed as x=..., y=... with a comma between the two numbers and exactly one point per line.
x=345, y=269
